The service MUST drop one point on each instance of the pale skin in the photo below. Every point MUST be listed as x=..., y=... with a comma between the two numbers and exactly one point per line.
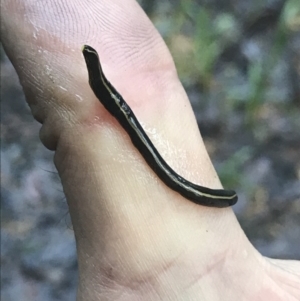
x=136, y=239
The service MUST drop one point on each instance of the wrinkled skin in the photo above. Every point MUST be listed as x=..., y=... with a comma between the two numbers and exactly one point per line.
x=136, y=239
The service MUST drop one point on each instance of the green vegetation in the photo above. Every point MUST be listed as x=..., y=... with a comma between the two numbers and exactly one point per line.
x=197, y=36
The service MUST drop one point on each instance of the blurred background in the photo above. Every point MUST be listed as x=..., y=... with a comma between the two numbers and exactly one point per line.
x=239, y=62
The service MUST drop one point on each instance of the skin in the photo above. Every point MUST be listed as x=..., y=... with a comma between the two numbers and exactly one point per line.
x=136, y=239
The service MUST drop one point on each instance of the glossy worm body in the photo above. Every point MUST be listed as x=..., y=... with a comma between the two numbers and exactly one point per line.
x=116, y=106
